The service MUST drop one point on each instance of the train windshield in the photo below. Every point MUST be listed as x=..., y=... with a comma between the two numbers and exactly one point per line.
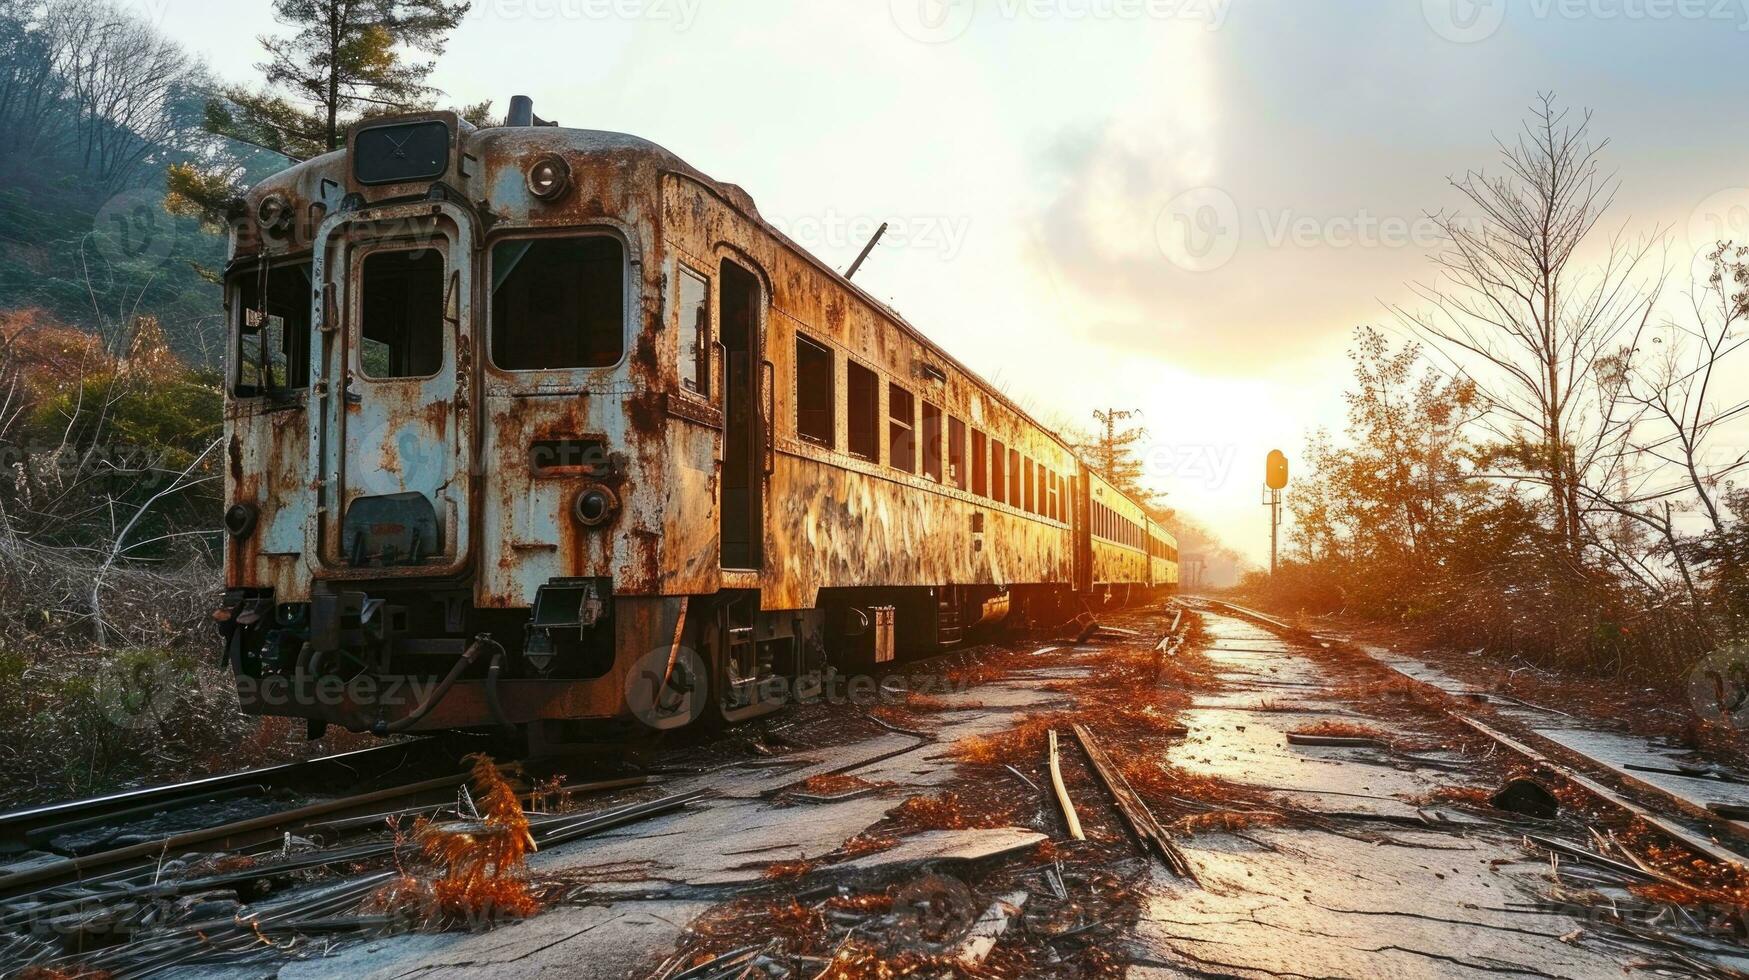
x=558, y=303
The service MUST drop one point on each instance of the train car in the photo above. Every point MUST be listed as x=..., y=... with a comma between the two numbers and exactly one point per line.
x=532, y=428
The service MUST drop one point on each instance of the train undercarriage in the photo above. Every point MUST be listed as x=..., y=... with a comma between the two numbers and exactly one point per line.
x=584, y=660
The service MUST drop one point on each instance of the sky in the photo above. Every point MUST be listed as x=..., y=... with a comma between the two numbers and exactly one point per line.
x=1182, y=207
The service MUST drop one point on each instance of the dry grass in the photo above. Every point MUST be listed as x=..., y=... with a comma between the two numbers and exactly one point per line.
x=834, y=784
x=1224, y=822
x=947, y=811
x=787, y=870
x=865, y=843
x=1023, y=742
x=1343, y=729
x=1476, y=797
x=481, y=865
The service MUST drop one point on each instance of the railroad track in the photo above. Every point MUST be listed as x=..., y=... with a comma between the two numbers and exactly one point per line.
x=335, y=811
x=119, y=911
x=1701, y=831
x=31, y=827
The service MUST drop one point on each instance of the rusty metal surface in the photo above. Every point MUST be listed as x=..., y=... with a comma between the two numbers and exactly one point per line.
x=830, y=519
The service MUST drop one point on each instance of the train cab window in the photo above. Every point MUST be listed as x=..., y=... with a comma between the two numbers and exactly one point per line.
x=694, y=342
x=998, y=471
x=980, y=465
x=863, y=392
x=814, y=401
x=401, y=313
x=956, y=453
x=929, y=433
x=901, y=429
x=560, y=303
x=273, y=334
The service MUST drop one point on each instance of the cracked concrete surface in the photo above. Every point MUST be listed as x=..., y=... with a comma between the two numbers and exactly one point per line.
x=1457, y=901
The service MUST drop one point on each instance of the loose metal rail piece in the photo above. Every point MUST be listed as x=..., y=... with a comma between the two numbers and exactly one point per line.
x=1135, y=813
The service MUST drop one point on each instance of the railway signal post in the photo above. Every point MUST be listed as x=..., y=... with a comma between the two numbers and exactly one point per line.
x=1275, y=480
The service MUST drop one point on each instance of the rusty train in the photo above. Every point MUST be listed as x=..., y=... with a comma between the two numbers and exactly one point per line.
x=534, y=428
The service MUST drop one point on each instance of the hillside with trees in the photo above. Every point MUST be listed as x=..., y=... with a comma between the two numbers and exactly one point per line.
x=119, y=153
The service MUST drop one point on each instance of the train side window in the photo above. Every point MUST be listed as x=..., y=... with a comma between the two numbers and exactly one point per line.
x=1016, y=489
x=980, y=465
x=1030, y=485
x=401, y=313
x=560, y=303
x=814, y=392
x=273, y=336
x=864, y=394
x=956, y=453
x=1052, y=508
x=930, y=436
x=998, y=481
x=901, y=429
x=694, y=342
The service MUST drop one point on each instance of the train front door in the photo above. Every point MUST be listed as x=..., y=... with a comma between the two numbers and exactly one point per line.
x=740, y=300
x=394, y=442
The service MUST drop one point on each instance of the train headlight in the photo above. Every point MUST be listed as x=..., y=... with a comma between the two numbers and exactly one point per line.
x=548, y=177
x=240, y=520
x=595, y=506
x=275, y=215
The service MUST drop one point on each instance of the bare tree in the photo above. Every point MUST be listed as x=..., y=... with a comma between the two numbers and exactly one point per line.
x=96, y=84
x=1662, y=393
x=1520, y=319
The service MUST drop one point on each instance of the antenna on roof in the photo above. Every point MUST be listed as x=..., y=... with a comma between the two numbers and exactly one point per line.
x=865, y=250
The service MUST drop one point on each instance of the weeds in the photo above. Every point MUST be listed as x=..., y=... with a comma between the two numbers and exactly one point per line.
x=481, y=865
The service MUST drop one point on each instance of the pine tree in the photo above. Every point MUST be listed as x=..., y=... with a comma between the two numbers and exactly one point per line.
x=344, y=60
